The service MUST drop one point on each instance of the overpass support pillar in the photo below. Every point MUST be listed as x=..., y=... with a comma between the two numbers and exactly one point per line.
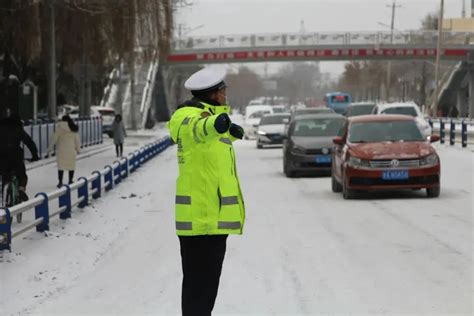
x=471, y=91
x=461, y=104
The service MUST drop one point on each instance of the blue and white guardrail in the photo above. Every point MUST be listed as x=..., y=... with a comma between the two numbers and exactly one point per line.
x=453, y=129
x=87, y=189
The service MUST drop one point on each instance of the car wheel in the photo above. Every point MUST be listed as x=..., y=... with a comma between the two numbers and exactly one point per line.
x=287, y=169
x=336, y=186
x=433, y=192
x=347, y=193
x=259, y=144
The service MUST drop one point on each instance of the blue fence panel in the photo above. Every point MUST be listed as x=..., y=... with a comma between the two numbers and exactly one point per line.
x=5, y=230
x=65, y=201
x=83, y=192
x=109, y=178
x=442, y=131
x=97, y=185
x=452, y=133
x=42, y=211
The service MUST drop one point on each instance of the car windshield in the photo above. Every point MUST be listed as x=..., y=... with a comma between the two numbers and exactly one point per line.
x=259, y=114
x=405, y=110
x=317, y=127
x=360, y=110
x=107, y=113
x=273, y=119
x=279, y=110
x=386, y=131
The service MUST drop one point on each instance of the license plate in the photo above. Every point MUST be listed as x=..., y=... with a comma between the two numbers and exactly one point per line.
x=323, y=159
x=395, y=175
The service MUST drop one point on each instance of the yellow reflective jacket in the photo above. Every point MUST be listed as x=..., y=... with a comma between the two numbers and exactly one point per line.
x=208, y=196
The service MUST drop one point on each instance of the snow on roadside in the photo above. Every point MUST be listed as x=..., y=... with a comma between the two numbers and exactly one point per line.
x=43, y=265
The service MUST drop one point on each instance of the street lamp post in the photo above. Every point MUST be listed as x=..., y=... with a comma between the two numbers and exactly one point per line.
x=434, y=105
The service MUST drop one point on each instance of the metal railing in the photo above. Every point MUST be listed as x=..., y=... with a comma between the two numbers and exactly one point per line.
x=88, y=188
x=411, y=38
x=90, y=133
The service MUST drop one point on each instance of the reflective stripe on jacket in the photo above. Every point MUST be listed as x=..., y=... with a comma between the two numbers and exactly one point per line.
x=208, y=196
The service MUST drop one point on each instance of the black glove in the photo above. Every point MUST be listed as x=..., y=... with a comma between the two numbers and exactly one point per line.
x=236, y=131
x=35, y=157
x=222, y=123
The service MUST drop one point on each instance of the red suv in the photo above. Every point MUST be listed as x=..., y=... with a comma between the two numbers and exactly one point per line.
x=384, y=152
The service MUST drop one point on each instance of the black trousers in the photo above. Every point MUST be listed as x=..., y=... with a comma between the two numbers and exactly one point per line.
x=201, y=258
x=15, y=165
x=119, y=149
x=61, y=173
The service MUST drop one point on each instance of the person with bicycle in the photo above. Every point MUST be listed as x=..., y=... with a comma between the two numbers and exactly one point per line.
x=11, y=153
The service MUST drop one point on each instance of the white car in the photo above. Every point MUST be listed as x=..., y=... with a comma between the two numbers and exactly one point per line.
x=107, y=115
x=406, y=108
x=253, y=114
x=271, y=129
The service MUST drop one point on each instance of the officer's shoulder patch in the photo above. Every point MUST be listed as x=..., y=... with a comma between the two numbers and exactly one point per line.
x=205, y=114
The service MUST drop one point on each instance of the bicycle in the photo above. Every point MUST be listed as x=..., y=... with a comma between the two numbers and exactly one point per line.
x=10, y=192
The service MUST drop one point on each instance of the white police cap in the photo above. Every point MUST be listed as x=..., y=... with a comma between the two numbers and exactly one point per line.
x=206, y=79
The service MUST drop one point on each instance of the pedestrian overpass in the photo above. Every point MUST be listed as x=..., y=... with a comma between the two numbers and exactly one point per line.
x=323, y=46
x=333, y=46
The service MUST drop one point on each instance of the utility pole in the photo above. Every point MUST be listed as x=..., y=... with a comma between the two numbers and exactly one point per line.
x=132, y=68
x=394, y=6
x=434, y=105
x=52, y=61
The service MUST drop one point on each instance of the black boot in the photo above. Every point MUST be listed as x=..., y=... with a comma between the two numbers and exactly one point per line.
x=22, y=196
x=71, y=176
x=60, y=178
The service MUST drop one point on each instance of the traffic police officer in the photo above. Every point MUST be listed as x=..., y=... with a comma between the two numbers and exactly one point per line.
x=209, y=202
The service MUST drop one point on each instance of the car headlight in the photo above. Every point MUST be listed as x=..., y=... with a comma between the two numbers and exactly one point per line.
x=262, y=133
x=357, y=162
x=429, y=160
x=298, y=149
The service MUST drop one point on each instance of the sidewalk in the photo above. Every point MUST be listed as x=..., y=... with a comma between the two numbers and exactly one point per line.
x=42, y=175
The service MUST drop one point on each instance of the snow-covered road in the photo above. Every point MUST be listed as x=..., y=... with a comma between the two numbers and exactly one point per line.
x=305, y=250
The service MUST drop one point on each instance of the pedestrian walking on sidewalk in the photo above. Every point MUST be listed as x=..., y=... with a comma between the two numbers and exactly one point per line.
x=209, y=202
x=118, y=129
x=68, y=145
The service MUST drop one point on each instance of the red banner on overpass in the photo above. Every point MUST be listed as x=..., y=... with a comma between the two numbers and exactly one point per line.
x=317, y=54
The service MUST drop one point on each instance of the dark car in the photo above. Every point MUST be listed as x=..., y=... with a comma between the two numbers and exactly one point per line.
x=308, y=143
x=306, y=111
x=384, y=152
x=359, y=108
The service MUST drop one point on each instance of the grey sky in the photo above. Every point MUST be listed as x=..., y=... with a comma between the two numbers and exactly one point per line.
x=268, y=16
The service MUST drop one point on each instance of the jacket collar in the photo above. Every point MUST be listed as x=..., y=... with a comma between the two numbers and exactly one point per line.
x=216, y=109
x=208, y=105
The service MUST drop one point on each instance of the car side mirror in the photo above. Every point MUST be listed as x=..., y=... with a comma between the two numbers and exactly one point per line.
x=338, y=140
x=434, y=138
